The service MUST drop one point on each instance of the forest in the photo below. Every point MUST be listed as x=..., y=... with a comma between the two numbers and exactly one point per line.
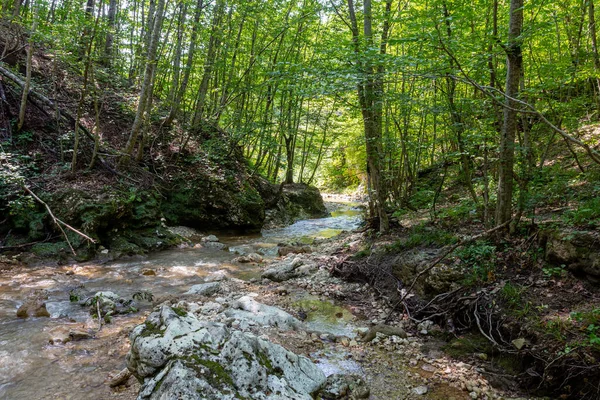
x=469, y=132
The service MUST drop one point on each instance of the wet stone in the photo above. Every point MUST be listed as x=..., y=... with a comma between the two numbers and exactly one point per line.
x=420, y=390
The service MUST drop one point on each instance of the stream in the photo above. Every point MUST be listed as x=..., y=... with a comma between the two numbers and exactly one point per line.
x=35, y=364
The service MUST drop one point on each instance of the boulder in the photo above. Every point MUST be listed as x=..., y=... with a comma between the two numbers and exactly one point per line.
x=205, y=289
x=210, y=238
x=295, y=202
x=214, y=245
x=180, y=356
x=578, y=251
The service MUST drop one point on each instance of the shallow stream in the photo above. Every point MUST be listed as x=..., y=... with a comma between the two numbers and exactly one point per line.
x=33, y=368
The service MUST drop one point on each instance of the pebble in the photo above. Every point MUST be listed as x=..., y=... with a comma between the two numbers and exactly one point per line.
x=420, y=390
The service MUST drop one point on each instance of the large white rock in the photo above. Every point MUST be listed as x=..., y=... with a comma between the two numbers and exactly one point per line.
x=177, y=355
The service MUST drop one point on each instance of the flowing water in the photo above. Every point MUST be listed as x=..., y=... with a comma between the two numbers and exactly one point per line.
x=33, y=368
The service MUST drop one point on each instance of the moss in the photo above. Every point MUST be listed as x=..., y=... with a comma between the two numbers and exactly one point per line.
x=46, y=250
x=217, y=376
x=509, y=363
x=122, y=245
x=151, y=330
x=264, y=361
x=179, y=311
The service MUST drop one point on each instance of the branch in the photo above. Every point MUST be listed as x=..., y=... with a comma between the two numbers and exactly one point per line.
x=58, y=222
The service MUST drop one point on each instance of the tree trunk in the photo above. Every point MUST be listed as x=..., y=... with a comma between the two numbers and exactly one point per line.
x=514, y=65
x=370, y=95
x=108, y=45
x=175, y=107
x=28, y=66
x=146, y=89
x=594, y=37
x=209, y=63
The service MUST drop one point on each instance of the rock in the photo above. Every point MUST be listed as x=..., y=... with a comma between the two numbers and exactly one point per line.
x=386, y=330
x=519, y=343
x=292, y=202
x=345, y=387
x=120, y=378
x=289, y=269
x=420, y=390
x=183, y=357
x=110, y=304
x=286, y=250
x=214, y=246
x=249, y=258
x=579, y=251
x=34, y=306
x=185, y=232
x=217, y=276
x=247, y=310
x=211, y=308
x=210, y=238
x=76, y=335
x=205, y=289
x=148, y=272
x=428, y=368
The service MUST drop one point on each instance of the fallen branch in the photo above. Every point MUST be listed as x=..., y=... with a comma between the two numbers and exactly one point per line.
x=99, y=313
x=58, y=222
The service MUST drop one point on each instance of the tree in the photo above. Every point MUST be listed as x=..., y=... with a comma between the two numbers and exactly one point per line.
x=146, y=89
x=514, y=66
x=370, y=95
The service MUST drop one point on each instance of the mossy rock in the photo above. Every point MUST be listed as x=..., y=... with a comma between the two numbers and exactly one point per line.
x=208, y=201
x=50, y=250
x=121, y=245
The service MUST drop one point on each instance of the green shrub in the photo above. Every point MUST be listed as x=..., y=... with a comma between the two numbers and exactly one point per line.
x=423, y=235
x=478, y=259
x=588, y=212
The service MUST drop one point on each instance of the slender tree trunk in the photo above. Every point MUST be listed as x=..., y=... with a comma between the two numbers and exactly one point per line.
x=28, y=67
x=86, y=74
x=594, y=38
x=209, y=62
x=108, y=45
x=96, y=130
x=176, y=106
x=514, y=64
x=146, y=89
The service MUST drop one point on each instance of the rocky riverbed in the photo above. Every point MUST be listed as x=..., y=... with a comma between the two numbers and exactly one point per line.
x=231, y=321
